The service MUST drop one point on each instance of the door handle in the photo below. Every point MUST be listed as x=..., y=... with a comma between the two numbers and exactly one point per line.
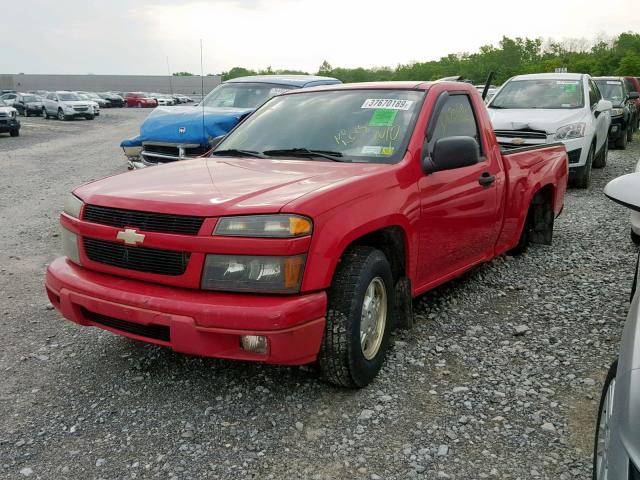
x=486, y=179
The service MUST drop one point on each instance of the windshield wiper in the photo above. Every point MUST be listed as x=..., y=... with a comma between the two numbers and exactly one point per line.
x=234, y=152
x=305, y=152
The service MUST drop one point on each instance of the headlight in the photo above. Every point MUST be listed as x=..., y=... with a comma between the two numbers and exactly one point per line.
x=73, y=206
x=617, y=111
x=132, y=152
x=278, y=226
x=575, y=130
x=70, y=246
x=245, y=273
x=68, y=107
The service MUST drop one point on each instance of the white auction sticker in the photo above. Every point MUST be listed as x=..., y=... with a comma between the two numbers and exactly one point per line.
x=371, y=150
x=613, y=82
x=389, y=103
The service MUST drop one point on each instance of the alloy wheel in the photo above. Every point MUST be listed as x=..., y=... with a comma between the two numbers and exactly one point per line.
x=373, y=319
x=604, y=434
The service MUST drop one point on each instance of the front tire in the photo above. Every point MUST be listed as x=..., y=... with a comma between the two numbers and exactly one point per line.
x=635, y=237
x=583, y=176
x=629, y=133
x=61, y=115
x=601, y=443
x=90, y=117
x=601, y=161
x=621, y=143
x=360, y=318
x=14, y=133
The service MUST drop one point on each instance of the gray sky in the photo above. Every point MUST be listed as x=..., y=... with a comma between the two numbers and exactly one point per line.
x=136, y=37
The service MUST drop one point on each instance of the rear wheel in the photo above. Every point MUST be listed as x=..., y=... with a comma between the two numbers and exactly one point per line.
x=602, y=442
x=601, y=161
x=26, y=113
x=583, y=175
x=139, y=105
x=359, y=318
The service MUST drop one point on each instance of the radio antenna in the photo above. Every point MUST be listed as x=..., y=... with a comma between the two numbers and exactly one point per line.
x=204, y=133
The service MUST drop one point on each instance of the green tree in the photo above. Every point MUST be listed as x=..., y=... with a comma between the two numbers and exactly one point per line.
x=182, y=74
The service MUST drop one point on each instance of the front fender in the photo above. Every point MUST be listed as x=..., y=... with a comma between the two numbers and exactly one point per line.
x=132, y=142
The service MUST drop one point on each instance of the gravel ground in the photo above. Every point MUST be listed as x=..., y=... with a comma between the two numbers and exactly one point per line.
x=499, y=379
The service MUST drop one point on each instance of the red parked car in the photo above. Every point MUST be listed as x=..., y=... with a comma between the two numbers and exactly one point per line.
x=139, y=99
x=633, y=85
x=307, y=233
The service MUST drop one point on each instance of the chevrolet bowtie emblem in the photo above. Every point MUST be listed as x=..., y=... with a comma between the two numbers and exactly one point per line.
x=517, y=141
x=130, y=236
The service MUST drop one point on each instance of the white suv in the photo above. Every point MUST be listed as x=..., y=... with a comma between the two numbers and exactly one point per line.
x=555, y=107
x=66, y=105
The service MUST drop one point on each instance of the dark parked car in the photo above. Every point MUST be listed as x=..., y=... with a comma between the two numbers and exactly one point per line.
x=624, y=116
x=112, y=99
x=28, y=104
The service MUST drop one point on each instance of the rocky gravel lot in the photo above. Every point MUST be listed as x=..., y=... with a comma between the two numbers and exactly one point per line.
x=499, y=379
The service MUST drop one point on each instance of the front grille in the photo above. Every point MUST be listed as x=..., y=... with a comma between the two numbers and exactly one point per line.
x=3, y=114
x=141, y=259
x=525, y=134
x=156, y=332
x=574, y=155
x=146, y=221
x=80, y=109
x=157, y=153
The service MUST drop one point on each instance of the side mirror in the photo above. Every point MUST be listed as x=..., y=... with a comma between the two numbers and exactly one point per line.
x=603, y=106
x=450, y=153
x=634, y=95
x=625, y=190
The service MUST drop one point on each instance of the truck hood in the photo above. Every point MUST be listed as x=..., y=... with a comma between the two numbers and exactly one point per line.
x=547, y=120
x=165, y=124
x=219, y=186
x=7, y=109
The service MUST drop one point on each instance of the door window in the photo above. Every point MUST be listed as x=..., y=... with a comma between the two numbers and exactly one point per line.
x=594, y=94
x=456, y=118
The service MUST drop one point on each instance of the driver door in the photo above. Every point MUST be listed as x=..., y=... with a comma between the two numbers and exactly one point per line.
x=460, y=217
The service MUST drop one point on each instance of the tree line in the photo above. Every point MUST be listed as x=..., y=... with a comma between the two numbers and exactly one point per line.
x=512, y=56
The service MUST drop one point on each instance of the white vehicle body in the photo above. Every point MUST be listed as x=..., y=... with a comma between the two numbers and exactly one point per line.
x=635, y=218
x=93, y=103
x=617, y=443
x=65, y=105
x=581, y=126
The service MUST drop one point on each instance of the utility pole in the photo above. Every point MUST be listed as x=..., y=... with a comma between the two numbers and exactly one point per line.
x=170, y=76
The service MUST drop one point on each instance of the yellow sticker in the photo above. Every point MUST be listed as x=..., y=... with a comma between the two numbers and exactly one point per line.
x=387, y=151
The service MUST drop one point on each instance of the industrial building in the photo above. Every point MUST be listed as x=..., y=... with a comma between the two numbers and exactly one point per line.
x=186, y=85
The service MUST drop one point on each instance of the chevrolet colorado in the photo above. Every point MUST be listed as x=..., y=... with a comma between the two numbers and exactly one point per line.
x=306, y=234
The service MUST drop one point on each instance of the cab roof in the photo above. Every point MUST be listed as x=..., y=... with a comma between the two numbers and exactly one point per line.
x=396, y=85
x=617, y=79
x=299, y=81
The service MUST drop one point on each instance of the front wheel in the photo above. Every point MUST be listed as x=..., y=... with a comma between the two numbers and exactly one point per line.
x=360, y=317
x=14, y=133
x=61, y=115
x=602, y=442
x=630, y=133
x=621, y=143
x=635, y=237
x=601, y=161
x=90, y=117
x=583, y=175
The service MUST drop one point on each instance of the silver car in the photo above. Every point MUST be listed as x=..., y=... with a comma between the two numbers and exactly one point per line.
x=617, y=441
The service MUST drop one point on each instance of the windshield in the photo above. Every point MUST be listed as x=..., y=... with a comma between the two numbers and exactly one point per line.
x=352, y=125
x=554, y=94
x=29, y=98
x=242, y=95
x=68, y=97
x=611, y=90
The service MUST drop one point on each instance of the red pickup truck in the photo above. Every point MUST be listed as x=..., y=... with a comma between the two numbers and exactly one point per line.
x=307, y=233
